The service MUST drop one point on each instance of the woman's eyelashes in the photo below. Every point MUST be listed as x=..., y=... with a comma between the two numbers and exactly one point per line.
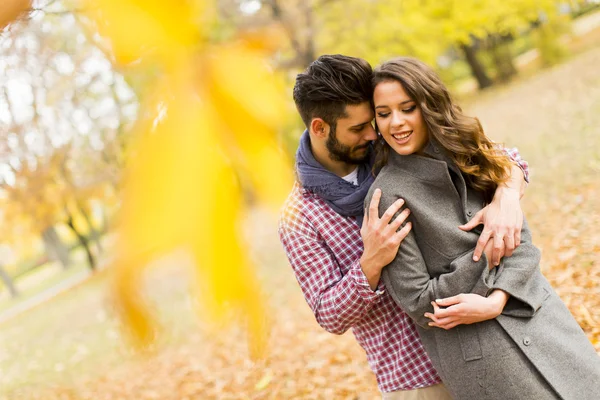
x=404, y=110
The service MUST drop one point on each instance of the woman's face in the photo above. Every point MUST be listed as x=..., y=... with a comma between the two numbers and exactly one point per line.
x=399, y=118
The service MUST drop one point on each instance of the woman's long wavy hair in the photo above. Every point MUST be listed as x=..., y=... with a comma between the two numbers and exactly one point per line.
x=484, y=165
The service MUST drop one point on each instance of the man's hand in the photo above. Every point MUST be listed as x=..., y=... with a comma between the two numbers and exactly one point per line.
x=381, y=238
x=489, y=248
x=502, y=220
x=466, y=308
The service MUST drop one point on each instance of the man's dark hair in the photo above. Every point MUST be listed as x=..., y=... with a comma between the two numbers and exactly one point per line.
x=329, y=84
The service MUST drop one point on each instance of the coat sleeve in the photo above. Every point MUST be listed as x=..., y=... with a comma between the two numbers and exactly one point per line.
x=408, y=281
x=517, y=275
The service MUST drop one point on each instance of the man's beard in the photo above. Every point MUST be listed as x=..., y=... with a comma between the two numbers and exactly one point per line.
x=343, y=153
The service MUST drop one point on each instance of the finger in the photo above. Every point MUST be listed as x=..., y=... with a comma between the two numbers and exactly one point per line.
x=481, y=242
x=448, y=301
x=445, y=321
x=443, y=313
x=403, y=233
x=435, y=321
x=476, y=220
x=449, y=325
x=391, y=211
x=444, y=324
x=509, y=241
x=399, y=220
x=374, y=205
x=518, y=232
x=498, y=251
x=433, y=318
x=436, y=308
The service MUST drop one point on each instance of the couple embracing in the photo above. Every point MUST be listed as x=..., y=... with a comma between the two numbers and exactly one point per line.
x=382, y=229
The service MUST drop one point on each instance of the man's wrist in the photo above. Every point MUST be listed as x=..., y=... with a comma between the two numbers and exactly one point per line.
x=507, y=194
x=507, y=189
x=371, y=270
x=516, y=182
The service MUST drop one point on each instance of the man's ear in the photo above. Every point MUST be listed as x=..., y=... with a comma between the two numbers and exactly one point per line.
x=319, y=127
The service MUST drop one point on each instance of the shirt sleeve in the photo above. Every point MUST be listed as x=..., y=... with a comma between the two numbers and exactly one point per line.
x=338, y=301
x=515, y=156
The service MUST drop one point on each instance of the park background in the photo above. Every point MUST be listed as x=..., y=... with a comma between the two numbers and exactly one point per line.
x=79, y=98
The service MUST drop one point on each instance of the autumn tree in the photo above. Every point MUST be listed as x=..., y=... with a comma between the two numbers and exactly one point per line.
x=377, y=30
x=65, y=114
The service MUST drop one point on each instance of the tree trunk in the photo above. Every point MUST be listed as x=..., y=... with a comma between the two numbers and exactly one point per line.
x=501, y=54
x=477, y=69
x=93, y=232
x=84, y=242
x=55, y=249
x=309, y=53
x=8, y=282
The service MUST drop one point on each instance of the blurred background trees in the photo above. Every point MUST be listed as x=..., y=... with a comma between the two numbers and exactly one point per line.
x=64, y=112
x=66, y=109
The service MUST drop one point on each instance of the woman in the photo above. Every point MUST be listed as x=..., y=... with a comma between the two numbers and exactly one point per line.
x=441, y=163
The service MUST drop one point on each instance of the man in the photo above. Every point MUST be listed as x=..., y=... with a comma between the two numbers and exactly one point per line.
x=337, y=255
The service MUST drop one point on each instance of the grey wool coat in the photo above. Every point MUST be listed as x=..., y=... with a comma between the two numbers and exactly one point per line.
x=535, y=349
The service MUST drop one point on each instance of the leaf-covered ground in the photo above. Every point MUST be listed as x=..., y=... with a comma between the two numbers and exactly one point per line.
x=71, y=347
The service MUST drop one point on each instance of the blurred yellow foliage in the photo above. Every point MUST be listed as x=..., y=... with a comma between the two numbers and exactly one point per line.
x=183, y=187
x=149, y=28
x=11, y=10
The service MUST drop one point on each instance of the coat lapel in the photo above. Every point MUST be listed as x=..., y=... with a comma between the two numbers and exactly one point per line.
x=434, y=167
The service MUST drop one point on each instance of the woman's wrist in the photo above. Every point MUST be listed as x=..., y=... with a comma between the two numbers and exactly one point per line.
x=498, y=298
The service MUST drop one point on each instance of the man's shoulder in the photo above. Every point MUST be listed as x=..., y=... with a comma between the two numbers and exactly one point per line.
x=298, y=207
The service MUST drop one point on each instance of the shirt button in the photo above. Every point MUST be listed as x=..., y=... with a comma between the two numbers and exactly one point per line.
x=436, y=150
x=469, y=213
x=526, y=340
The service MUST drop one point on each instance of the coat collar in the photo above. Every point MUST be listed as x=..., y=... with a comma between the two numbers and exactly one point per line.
x=433, y=166
x=430, y=166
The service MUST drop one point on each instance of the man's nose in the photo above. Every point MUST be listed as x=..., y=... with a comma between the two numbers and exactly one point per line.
x=370, y=134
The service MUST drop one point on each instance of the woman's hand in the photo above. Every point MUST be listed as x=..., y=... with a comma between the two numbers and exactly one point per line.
x=466, y=308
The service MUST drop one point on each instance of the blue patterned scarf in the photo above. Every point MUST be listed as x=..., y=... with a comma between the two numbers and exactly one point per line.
x=344, y=197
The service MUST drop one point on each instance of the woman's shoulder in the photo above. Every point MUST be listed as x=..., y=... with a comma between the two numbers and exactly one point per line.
x=387, y=174
x=390, y=181
x=394, y=175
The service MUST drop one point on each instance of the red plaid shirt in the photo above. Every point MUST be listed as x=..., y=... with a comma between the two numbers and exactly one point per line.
x=324, y=249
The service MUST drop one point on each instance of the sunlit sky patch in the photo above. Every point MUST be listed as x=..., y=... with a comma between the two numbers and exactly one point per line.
x=250, y=7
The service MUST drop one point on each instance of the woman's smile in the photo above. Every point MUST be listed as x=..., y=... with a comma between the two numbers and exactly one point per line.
x=402, y=137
